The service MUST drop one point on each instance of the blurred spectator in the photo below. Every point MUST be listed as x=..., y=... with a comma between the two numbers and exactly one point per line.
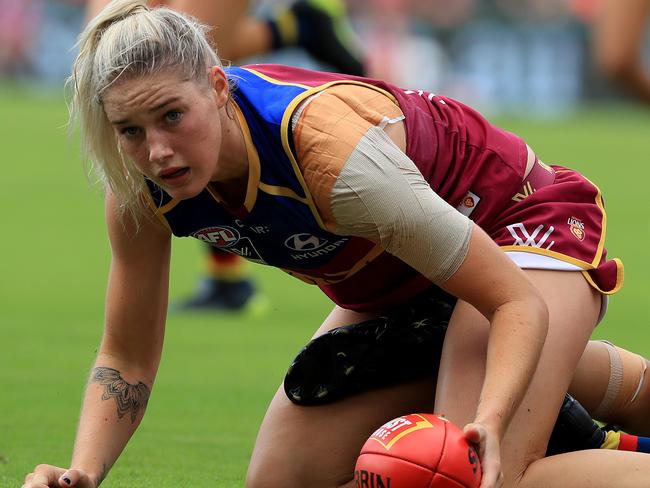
x=535, y=10
x=499, y=55
x=54, y=46
x=520, y=60
x=18, y=24
x=620, y=30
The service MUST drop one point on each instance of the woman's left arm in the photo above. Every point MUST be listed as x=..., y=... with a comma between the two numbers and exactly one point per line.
x=496, y=287
x=379, y=194
x=382, y=196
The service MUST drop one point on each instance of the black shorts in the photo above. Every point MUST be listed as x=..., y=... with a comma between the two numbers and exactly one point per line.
x=404, y=344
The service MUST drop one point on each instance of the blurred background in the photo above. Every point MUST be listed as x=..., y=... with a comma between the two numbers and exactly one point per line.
x=529, y=65
x=528, y=56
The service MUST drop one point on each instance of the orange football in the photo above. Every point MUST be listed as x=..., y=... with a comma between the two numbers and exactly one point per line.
x=417, y=451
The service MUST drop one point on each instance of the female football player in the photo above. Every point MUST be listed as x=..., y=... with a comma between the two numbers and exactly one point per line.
x=322, y=29
x=392, y=202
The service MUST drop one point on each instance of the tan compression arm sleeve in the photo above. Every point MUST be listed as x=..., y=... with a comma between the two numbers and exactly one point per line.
x=382, y=196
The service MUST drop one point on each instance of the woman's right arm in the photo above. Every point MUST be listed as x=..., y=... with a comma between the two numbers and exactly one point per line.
x=129, y=355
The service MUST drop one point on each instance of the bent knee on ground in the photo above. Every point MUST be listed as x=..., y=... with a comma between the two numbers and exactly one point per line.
x=293, y=471
x=622, y=395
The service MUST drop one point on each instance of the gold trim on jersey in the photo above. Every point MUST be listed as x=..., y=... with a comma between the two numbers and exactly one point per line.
x=314, y=89
x=333, y=278
x=273, y=80
x=620, y=276
x=253, y=161
x=552, y=254
x=282, y=192
x=213, y=193
x=584, y=265
x=169, y=205
x=286, y=121
x=308, y=200
x=601, y=244
x=371, y=255
x=165, y=208
x=155, y=210
x=603, y=223
x=285, y=130
x=253, y=158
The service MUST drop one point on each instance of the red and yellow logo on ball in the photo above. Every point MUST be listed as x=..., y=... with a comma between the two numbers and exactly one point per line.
x=389, y=433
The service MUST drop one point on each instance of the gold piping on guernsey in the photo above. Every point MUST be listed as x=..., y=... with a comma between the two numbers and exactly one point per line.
x=281, y=191
x=254, y=169
x=338, y=277
x=286, y=127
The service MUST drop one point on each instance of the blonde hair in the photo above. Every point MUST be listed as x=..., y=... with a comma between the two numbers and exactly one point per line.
x=129, y=40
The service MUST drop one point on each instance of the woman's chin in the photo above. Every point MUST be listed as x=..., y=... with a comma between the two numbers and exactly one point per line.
x=185, y=192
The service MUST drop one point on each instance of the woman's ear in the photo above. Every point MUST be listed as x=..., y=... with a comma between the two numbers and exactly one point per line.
x=219, y=84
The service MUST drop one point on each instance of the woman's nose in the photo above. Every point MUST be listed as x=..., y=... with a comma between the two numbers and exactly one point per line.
x=159, y=148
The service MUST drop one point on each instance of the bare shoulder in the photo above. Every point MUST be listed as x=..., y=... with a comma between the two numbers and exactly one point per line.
x=128, y=235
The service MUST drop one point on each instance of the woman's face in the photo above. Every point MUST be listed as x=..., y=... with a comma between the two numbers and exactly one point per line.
x=171, y=128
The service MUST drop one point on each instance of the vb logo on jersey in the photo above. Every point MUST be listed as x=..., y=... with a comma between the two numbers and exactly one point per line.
x=217, y=236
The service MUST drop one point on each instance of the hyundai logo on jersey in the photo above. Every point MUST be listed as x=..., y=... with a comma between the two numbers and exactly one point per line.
x=304, y=242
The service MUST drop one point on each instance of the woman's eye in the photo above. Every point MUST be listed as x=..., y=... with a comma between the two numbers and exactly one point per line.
x=130, y=131
x=173, y=116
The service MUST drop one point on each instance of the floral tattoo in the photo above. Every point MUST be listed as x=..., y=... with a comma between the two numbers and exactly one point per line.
x=129, y=398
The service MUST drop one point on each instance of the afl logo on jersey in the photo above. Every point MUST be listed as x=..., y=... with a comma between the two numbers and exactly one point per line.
x=217, y=236
x=304, y=242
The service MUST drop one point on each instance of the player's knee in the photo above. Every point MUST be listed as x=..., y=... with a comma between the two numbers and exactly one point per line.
x=627, y=390
x=293, y=469
x=263, y=475
x=281, y=475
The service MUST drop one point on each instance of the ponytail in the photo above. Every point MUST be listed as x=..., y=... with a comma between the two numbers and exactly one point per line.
x=128, y=40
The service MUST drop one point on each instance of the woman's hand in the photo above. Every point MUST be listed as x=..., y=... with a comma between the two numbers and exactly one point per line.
x=47, y=476
x=489, y=450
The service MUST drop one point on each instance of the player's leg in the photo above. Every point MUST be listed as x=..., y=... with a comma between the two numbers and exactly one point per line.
x=384, y=350
x=227, y=285
x=317, y=446
x=318, y=26
x=612, y=384
x=321, y=27
x=234, y=32
x=524, y=446
x=403, y=343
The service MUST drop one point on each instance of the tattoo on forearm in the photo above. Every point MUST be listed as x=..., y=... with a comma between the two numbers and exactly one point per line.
x=129, y=398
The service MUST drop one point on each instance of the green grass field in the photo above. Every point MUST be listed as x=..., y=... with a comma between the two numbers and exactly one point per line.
x=218, y=372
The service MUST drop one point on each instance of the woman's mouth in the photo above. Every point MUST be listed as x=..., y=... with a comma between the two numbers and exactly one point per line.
x=174, y=176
